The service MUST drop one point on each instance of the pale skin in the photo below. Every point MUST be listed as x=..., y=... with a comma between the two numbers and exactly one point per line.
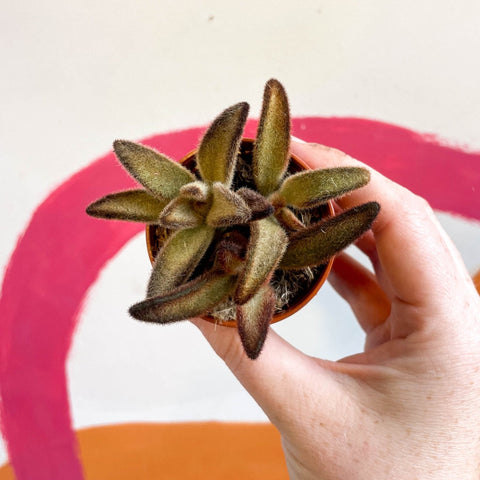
x=408, y=406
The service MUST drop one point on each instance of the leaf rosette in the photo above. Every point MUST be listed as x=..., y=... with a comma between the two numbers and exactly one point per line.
x=226, y=244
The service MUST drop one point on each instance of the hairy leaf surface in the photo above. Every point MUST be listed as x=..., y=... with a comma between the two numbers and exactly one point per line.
x=178, y=258
x=157, y=173
x=265, y=248
x=180, y=213
x=217, y=153
x=317, y=243
x=258, y=204
x=198, y=191
x=288, y=220
x=253, y=319
x=130, y=205
x=228, y=208
x=311, y=188
x=270, y=155
x=192, y=299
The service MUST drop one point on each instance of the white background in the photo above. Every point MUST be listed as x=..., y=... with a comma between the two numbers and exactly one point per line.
x=76, y=75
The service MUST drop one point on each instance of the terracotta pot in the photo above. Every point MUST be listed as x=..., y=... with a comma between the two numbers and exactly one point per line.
x=476, y=281
x=296, y=165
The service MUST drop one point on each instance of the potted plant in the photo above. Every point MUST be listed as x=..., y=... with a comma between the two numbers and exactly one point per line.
x=240, y=231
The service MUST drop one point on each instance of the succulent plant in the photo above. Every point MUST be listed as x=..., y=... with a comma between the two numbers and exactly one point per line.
x=225, y=240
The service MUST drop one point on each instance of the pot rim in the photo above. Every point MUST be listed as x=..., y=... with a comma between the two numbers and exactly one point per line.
x=315, y=287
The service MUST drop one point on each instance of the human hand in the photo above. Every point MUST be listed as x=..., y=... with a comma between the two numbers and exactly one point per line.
x=408, y=407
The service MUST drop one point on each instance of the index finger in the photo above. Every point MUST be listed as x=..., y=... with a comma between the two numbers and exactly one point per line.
x=419, y=262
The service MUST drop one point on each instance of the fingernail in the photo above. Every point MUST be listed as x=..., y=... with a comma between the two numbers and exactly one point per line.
x=296, y=139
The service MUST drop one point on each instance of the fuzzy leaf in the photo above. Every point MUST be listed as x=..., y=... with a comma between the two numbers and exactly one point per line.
x=253, y=319
x=258, y=204
x=217, y=153
x=266, y=246
x=192, y=299
x=270, y=155
x=178, y=258
x=156, y=172
x=228, y=208
x=130, y=205
x=314, y=187
x=288, y=220
x=197, y=191
x=317, y=243
x=180, y=213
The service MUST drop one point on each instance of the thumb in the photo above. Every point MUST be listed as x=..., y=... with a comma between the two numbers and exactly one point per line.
x=287, y=384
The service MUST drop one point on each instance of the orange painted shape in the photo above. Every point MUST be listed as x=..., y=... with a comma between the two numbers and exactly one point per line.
x=184, y=451
x=6, y=473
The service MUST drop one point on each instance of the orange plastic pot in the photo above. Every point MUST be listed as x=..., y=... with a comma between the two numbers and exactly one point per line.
x=296, y=165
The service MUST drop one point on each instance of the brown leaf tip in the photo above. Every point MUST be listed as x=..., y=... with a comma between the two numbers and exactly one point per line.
x=236, y=114
x=258, y=204
x=253, y=321
x=120, y=147
x=273, y=85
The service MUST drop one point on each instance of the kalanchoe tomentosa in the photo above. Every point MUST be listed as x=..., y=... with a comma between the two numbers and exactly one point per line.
x=239, y=235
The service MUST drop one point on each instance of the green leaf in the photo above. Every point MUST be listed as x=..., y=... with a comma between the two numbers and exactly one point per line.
x=228, y=208
x=217, y=153
x=156, y=172
x=180, y=213
x=192, y=299
x=270, y=155
x=317, y=243
x=130, y=205
x=178, y=258
x=253, y=320
x=311, y=188
x=266, y=246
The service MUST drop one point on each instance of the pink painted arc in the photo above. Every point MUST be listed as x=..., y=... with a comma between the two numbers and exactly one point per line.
x=62, y=252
